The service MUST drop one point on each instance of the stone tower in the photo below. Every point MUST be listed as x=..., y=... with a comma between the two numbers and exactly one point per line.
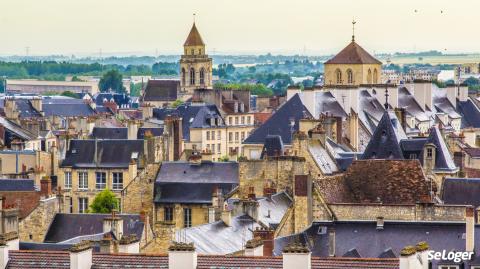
x=195, y=65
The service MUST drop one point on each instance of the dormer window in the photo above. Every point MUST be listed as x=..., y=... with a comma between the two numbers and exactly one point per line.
x=429, y=152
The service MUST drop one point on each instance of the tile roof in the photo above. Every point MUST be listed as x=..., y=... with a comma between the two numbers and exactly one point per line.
x=194, y=38
x=67, y=226
x=279, y=122
x=353, y=54
x=388, y=181
x=108, y=153
x=17, y=185
x=110, y=133
x=60, y=259
x=161, y=90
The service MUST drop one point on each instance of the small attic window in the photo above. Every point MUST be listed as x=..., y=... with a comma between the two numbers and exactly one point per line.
x=191, y=120
x=134, y=155
x=74, y=151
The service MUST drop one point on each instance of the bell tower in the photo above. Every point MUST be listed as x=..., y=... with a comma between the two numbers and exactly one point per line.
x=195, y=65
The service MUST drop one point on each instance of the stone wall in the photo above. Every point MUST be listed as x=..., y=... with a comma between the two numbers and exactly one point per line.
x=418, y=212
x=34, y=227
x=279, y=170
x=138, y=195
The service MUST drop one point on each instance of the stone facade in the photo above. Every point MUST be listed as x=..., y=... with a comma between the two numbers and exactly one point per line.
x=34, y=227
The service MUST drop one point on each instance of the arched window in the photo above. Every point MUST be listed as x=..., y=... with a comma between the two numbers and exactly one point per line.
x=375, y=76
x=183, y=76
x=202, y=76
x=200, y=51
x=193, y=52
x=350, y=76
x=338, y=74
x=192, y=76
x=369, y=77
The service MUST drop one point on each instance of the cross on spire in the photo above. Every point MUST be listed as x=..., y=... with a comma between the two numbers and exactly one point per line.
x=353, y=30
x=194, y=17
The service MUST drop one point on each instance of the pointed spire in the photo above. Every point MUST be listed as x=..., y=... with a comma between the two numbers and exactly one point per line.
x=194, y=38
x=353, y=30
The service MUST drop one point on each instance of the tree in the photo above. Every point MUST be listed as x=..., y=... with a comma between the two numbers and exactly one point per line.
x=69, y=94
x=223, y=159
x=104, y=202
x=177, y=103
x=112, y=80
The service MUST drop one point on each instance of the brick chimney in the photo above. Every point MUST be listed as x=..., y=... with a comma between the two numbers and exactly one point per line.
x=269, y=190
x=254, y=247
x=108, y=245
x=267, y=237
x=251, y=193
x=302, y=196
x=46, y=187
x=182, y=256
x=296, y=255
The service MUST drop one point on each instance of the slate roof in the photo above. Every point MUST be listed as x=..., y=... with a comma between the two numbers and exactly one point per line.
x=194, y=38
x=193, y=116
x=110, y=153
x=470, y=114
x=353, y=54
x=407, y=100
x=16, y=129
x=26, y=109
x=461, y=191
x=326, y=103
x=370, y=110
x=443, y=158
x=200, y=179
x=67, y=109
x=121, y=99
x=155, y=131
x=67, y=226
x=17, y=185
x=161, y=90
x=61, y=260
x=279, y=122
x=322, y=157
x=273, y=146
x=385, y=141
x=110, y=133
x=472, y=152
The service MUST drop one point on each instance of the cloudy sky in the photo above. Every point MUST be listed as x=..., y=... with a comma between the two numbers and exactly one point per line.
x=144, y=27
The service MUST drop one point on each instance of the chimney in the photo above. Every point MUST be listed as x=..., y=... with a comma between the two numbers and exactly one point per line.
x=227, y=217
x=113, y=224
x=251, y=193
x=402, y=116
x=3, y=255
x=269, y=190
x=470, y=229
x=331, y=242
x=302, y=196
x=254, y=247
x=408, y=258
x=37, y=103
x=422, y=251
x=296, y=255
x=132, y=169
x=81, y=255
x=380, y=223
x=182, y=256
x=267, y=237
x=108, y=245
x=129, y=244
x=45, y=187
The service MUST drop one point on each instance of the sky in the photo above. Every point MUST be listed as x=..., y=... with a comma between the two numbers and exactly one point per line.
x=313, y=27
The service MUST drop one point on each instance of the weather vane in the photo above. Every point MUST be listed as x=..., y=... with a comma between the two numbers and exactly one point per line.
x=194, y=17
x=353, y=29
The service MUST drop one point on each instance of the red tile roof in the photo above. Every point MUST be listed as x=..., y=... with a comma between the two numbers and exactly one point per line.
x=60, y=259
x=353, y=54
x=194, y=38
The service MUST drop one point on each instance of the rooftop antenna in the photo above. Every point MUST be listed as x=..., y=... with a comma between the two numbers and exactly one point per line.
x=386, y=97
x=353, y=29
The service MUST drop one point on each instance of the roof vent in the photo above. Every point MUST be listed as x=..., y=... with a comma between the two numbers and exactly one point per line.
x=322, y=230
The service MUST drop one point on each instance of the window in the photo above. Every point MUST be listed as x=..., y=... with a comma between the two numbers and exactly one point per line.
x=350, y=76
x=200, y=51
x=230, y=136
x=202, y=76
x=412, y=156
x=213, y=148
x=183, y=76
x=229, y=120
x=70, y=204
x=192, y=51
x=192, y=76
x=429, y=152
x=187, y=217
x=243, y=120
x=101, y=180
x=243, y=136
x=117, y=183
x=82, y=205
x=219, y=135
x=236, y=120
x=213, y=135
x=219, y=148
x=82, y=180
x=448, y=267
x=236, y=136
x=208, y=135
x=375, y=76
x=68, y=180
x=338, y=75
x=369, y=76
x=248, y=119
x=168, y=213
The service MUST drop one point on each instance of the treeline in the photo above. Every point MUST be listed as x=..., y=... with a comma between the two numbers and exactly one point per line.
x=51, y=70
x=255, y=89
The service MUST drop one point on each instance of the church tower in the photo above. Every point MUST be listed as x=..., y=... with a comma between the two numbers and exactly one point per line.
x=195, y=65
x=353, y=66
